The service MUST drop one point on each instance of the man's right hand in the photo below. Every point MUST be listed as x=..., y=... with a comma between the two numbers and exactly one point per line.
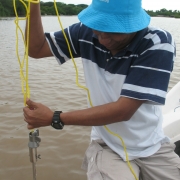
x=37, y=115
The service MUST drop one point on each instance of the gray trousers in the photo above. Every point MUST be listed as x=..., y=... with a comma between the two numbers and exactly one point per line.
x=101, y=163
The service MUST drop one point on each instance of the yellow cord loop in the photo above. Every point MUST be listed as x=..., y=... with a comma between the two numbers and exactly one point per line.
x=24, y=61
x=70, y=52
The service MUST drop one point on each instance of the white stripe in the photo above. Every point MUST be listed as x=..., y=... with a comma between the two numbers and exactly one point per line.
x=155, y=69
x=101, y=49
x=134, y=55
x=165, y=47
x=57, y=46
x=71, y=41
x=126, y=57
x=174, y=58
x=144, y=90
x=153, y=37
x=52, y=51
x=89, y=42
x=155, y=29
x=173, y=43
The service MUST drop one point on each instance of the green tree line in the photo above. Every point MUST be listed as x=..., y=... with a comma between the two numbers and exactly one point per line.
x=165, y=13
x=7, y=9
x=47, y=8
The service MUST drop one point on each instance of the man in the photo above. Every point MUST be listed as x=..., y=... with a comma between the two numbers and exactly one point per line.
x=127, y=67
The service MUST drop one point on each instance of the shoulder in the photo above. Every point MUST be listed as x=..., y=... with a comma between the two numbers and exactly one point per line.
x=81, y=29
x=158, y=35
x=154, y=39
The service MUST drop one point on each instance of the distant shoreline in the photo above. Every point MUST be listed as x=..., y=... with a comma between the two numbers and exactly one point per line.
x=47, y=8
x=44, y=15
x=6, y=18
x=164, y=13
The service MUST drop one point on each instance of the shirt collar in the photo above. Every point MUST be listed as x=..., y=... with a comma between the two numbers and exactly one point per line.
x=138, y=37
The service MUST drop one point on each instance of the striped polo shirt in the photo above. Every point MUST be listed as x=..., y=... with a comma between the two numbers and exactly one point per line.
x=140, y=71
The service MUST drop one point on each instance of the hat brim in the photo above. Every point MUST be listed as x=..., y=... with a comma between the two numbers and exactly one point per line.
x=104, y=22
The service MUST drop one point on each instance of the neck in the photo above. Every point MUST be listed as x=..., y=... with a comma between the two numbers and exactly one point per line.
x=122, y=46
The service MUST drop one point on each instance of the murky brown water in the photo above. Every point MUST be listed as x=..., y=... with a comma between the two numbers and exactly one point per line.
x=61, y=151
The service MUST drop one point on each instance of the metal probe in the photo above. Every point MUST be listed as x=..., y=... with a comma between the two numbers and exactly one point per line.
x=34, y=141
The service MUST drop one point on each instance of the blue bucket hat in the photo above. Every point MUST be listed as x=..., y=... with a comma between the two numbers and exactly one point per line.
x=123, y=16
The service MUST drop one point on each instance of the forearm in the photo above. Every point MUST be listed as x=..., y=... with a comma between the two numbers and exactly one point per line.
x=101, y=115
x=39, y=115
x=95, y=116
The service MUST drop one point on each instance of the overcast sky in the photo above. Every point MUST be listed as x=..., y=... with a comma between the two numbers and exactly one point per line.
x=147, y=4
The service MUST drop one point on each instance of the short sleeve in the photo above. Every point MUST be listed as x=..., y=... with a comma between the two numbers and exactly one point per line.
x=58, y=44
x=149, y=73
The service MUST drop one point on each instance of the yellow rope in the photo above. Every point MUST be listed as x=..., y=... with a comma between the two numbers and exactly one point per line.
x=77, y=79
x=89, y=98
x=24, y=78
x=124, y=146
x=23, y=62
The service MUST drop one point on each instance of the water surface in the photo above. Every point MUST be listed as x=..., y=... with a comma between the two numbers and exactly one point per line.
x=61, y=151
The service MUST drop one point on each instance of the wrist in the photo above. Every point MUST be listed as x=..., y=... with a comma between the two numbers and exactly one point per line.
x=56, y=120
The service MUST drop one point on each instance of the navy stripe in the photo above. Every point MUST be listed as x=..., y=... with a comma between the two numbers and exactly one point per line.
x=54, y=49
x=141, y=67
x=169, y=38
x=143, y=96
x=165, y=37
x=148, y=78
x=100, y=56
x=156, y=59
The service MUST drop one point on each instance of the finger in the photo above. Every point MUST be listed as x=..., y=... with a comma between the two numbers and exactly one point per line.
x=30, y=126
x=27, y=113
x=26, y=120
x=26, y=109
x=32, y=105
x=25, y=116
